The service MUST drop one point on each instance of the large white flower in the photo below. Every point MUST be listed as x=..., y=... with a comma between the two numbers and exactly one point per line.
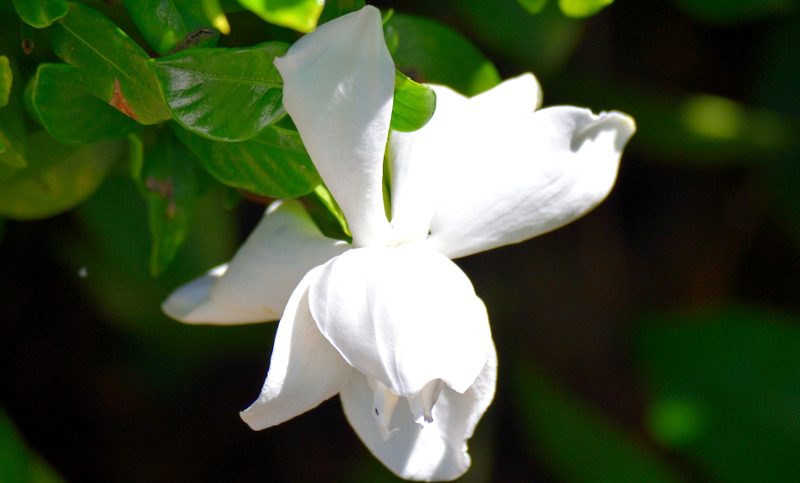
x=390, y=323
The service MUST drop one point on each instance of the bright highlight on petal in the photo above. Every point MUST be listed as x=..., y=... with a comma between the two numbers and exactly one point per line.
x=338, y=89
x=256, y=284
x=403, y=315
x=304, y=370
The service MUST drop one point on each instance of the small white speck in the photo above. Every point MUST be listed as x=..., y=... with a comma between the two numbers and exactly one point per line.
x=83, y=272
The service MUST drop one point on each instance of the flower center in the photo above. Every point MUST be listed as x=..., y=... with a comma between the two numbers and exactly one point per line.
x=385, y=401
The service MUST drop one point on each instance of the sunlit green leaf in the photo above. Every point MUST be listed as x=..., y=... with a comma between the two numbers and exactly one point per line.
x=165, y=24
x=582, y=8
x=533, y=6
x=69, y=112
x=170, y=179
x=413, y=104
x=430, y=52
x=575, y=441
x=735, y=11
x=56, y=178
x=114, y=66
x=224, y=94
x=5, y=80
x=274, y=163
x=300, y=15
x=40, y=13
x=724, y=391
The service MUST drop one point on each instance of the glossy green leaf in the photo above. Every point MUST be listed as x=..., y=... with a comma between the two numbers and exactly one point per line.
x=736, y=11
x=114, y=66
x=5, y=80
x=300, y=15
x=171, y=180
x=69, y=112
x=56, y=178
x=167, y=24
x=430, y=52
x=582, y=8
x=413, y=104
x=336, y=8
x=574, y=441
x=274, y=163
x=223, y=94
x=533, y=6
x=40, y=13
x=724, y=391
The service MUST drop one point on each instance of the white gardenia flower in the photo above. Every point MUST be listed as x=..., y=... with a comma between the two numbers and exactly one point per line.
x=390, y=323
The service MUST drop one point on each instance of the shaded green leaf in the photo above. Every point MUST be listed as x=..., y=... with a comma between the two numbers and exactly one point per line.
x=735, y=11
x=165, y=24
x=413, y=106
x=5, y=80
x=114, y=66
x=69, y=112
x=582, y=8
x=13, y=132
x=171, y=179
x=18, y=463
x=576, y=442
x=40, y=13
x=300, y=15
x=533, y=6
x=56, y=178
x=430, y=52
x=724, y=390
x=327, y=214
x=336, y=8
x=224, y=94
x=274, y=163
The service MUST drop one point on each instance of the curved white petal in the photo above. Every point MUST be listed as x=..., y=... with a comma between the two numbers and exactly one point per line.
x=423, y=160
x=505, y=176
x=338, y=88
x=261, y=276
x=435, y=451
x=403, y=315
x=304, y=370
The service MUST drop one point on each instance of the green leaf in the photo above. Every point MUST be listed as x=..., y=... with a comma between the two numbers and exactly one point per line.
x=69, y=112
x=114, y=66
x=18, y=463
x=724, y=391
x=274, y=163
x=413, y=104
x=533, y=6
x=5, y=80
x=336, y=8
x=430, y=52
x=56, y=178
x=575, y=441
x=735, y=11
x=582, y=8
x=223, y=94
x=40, y=13
x=212, y=10
x=165, y=24
x=300, y=15
x=327, y=214
x=171, y=180
x=13, y=132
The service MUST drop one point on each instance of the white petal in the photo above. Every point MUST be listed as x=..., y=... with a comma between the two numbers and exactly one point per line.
x=262, y=275
x=338, y=89
x=304, y=370
x=422, y=161
x=433, y=451
x=403, y=315
x=505, y=176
